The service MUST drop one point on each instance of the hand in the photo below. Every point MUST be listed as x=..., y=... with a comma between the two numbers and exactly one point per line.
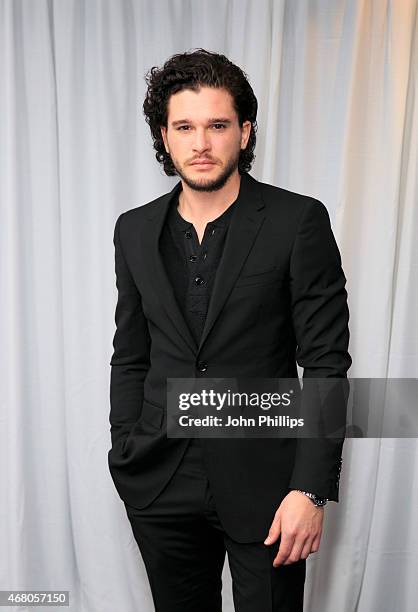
x=299, y=522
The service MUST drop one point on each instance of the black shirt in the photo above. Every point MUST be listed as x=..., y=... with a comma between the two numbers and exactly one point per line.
x=191, y=267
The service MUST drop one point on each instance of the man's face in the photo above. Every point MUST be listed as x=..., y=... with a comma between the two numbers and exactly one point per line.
x=204, y=126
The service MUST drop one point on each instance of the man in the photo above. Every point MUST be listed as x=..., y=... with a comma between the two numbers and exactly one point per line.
x=223, y=276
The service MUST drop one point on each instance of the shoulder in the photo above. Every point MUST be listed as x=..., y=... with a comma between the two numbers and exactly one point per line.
x=142, y=211
x=290, y=203
x=135, y=217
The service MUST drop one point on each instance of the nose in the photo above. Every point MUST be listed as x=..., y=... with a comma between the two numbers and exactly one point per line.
x=201, y=141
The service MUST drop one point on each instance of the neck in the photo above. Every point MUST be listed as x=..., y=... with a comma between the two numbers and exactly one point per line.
x=204, y=206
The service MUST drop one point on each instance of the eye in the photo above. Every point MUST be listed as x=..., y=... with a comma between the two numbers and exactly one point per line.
x=182, y=126
x=219, y=125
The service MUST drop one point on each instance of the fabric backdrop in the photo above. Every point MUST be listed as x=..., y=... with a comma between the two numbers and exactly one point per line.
x=336, y=82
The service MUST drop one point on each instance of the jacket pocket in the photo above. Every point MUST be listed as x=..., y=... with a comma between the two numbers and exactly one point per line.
x=260, y=278
x=152, y=414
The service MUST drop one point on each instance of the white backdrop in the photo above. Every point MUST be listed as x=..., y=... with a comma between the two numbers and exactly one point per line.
x=337, y=87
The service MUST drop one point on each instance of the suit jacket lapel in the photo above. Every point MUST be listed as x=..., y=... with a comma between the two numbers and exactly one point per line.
x=244, y=226
x=158, y=277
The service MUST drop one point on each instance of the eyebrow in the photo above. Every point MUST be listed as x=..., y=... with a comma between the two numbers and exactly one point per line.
x=212, y=120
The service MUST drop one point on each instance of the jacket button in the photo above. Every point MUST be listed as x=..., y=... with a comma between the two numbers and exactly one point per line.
x=202, y=366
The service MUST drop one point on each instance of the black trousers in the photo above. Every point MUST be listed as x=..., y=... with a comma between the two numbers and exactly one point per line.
x=183, y=546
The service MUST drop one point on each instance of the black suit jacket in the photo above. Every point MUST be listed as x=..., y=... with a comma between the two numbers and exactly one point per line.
x=279, y=298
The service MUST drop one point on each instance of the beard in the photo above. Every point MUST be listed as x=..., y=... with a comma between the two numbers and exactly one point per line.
x=210, y=184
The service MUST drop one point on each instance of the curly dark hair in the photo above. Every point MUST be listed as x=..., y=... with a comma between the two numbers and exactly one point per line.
x=191, y=70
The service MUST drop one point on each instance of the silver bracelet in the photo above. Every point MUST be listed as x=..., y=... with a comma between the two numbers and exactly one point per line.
x=318, y=501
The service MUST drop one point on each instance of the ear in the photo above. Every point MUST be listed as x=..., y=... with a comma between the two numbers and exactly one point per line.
x=245, y=133
x=163, y=130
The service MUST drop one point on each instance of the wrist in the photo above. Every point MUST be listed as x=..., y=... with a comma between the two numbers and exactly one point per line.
x=318, y=501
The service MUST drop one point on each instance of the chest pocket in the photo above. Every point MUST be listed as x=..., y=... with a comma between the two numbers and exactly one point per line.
x=264, y=277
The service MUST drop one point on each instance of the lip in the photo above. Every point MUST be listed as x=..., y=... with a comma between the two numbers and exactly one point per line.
x=202, y=163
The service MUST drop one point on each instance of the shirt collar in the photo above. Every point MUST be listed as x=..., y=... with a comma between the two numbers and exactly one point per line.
x=180, y=224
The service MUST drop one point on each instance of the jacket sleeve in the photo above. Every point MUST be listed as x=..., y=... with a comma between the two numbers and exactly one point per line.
x=130, y=360
x=320, y=319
